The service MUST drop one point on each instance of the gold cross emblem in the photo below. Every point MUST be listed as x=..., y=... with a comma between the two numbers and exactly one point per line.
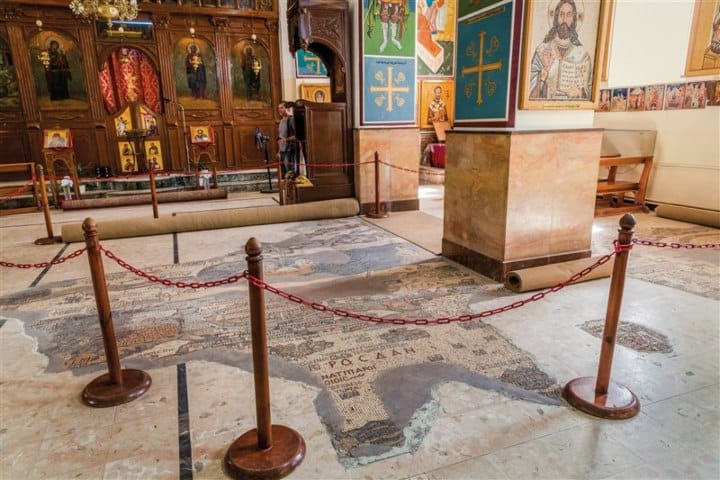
x=390, y=89
x=313, y=59
x=481, y=68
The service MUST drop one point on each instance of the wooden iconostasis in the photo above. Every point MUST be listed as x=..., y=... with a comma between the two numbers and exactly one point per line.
x=216, y=65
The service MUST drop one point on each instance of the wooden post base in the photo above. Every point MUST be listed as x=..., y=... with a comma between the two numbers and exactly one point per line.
x=48, y=240
x=103, y=392
x=245, y=460
x=617, y=404
x=382, y=213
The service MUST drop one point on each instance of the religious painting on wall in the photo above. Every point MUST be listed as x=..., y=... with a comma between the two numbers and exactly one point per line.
x=604, y=102
x=308, y=64
x=123, y=123
x=129, y=75
x=202, y=134
x=388, y=90
x=713, y=93
x=389, y=65
x=388, y=27
x=487, y=64
x=436, y=102
x=636, y=99
x=618, y=102
x=9, y=94
x=654, y=96
x=562, y=52
x=674, y=96
x=315, y=92
x=149, y=121
x=153, y=155
x=195, y=68
x=250, y=75
x=57, y=68
x=127, y=157
x=436, y=37
x=703, y=57
x=57, y=138
x=695, y=95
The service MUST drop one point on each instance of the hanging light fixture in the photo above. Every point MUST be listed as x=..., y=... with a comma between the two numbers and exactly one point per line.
x=109, y=10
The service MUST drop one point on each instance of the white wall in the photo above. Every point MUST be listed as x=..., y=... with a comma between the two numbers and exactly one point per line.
x=649, y=45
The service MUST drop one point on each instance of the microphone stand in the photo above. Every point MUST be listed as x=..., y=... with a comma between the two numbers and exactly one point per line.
x=261, y=142
x=185, y=132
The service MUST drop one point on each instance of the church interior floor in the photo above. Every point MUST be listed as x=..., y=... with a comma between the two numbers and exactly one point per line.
x=467, y=400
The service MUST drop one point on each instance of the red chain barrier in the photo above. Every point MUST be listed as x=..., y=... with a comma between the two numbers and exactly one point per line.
x=649, y=243
x=74, y=254
x=16, y=192
x=167, y=282
x=410, y=170
x=429, y=321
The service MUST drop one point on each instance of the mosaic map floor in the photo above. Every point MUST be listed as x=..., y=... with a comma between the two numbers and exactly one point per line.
x=376, y=380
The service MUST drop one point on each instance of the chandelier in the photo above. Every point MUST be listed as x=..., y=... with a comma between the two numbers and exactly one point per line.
x=105, y=9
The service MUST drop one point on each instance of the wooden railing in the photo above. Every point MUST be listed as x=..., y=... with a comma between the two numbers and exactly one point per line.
x=27, y=169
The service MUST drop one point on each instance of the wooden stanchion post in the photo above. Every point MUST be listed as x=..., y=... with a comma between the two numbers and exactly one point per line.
x=379, y=212
x=281, y=183
x=268, y=451
x=46, y=211
x=153, y=193
x=602, y=397
x=118, y=386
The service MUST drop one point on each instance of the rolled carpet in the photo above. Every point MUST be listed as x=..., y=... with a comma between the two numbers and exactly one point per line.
x=699, y=216
x=537, y=278
x=210, y=220
x=145, y=198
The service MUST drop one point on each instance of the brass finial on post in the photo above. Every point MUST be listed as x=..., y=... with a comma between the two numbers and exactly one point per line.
x=268, y=451
x=600, y=396
x=118, y=386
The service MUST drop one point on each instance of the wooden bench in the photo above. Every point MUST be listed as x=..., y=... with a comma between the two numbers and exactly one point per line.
x=27, y=169
x=611, y=192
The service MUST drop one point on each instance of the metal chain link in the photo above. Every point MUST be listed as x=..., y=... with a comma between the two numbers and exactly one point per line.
x=428, y=321
x=74, y=254
x=167, y=282
x=649, y=243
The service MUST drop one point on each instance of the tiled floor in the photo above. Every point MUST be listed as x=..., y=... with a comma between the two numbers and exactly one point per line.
x=46, y=431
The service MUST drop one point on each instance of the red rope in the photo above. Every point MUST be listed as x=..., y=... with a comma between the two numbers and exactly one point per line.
x=74, y=254
x=167, y=282
x=427, y=321
x=648, y=243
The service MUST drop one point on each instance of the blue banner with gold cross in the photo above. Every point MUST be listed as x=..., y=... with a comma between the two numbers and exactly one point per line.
x=485, y=64
x=388, y=90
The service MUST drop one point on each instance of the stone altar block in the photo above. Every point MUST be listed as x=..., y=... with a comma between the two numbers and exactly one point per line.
x=519, y=198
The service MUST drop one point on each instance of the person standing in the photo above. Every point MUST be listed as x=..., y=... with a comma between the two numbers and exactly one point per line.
x=561, y=67
x=287, y=147
x=57, y=72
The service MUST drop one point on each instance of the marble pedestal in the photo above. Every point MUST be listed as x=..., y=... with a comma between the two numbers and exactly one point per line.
x=517, y=199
